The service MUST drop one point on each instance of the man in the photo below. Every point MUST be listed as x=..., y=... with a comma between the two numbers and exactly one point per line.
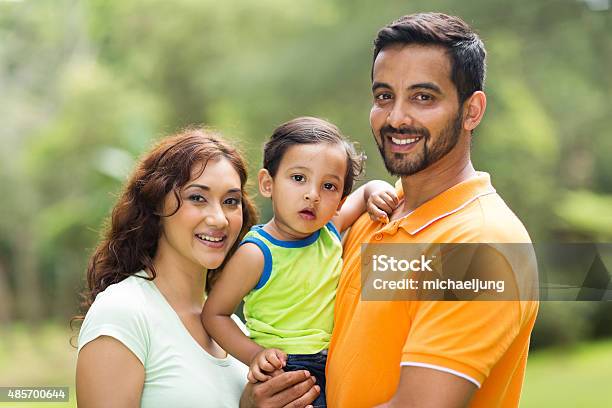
x=427, y=84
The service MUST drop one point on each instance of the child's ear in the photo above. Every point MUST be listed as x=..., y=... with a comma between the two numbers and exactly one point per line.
x=265, y=183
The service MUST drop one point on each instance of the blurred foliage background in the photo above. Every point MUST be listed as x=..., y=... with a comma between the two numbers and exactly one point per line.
x=87, y=86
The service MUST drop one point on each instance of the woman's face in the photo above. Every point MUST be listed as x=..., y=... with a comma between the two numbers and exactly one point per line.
x=209, y=220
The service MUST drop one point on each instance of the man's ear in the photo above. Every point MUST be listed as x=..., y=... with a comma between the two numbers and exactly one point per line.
x=265, y=183
x=474, y=110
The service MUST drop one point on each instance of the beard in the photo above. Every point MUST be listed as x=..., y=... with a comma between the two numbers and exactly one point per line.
x=402, y=164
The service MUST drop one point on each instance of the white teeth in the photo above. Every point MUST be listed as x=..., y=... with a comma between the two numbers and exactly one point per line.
x=207, y=238
x=404, y=141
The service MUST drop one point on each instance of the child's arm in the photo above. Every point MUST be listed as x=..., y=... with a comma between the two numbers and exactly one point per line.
x=239, y=276
x=377, y=197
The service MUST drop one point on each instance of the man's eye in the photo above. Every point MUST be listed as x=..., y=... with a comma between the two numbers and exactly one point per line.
x=197, y=198
x=232, y=201
x=329, y=186
x=298, y=177
x=423, y=97
x=383, y=96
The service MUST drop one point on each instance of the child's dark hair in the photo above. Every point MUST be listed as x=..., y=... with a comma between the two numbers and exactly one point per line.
x=310, y=130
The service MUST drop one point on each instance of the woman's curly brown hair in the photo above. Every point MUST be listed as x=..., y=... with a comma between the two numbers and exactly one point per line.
x=131, y=235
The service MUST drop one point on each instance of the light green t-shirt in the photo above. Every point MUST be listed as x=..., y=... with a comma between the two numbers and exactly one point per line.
x=292, y=306
x=178, y=372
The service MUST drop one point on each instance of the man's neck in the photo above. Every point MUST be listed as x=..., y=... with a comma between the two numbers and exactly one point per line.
x=447, y=172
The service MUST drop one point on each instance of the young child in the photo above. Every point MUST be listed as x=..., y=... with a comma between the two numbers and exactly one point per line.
x=287, y=270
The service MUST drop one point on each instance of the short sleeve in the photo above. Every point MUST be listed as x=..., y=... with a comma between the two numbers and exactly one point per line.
x=240, y=325
x=118, y=314
x=464, y=338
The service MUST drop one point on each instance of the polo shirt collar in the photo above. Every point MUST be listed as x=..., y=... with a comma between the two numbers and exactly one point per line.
x=446, y=203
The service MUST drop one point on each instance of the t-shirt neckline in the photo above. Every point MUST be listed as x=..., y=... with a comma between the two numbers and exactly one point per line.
x=220, y=361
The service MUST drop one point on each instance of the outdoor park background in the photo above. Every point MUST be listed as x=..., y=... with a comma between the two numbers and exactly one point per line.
x=86, y=86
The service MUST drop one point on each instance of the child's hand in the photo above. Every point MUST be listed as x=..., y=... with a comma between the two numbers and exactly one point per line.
x=381, y=204
x=265, y=363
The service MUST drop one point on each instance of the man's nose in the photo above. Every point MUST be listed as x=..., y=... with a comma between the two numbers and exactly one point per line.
x=399, y=116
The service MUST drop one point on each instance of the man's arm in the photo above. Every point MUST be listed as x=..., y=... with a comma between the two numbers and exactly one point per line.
x=429, y=388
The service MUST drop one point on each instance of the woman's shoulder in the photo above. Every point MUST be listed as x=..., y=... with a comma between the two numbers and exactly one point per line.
x=120, y=311
x=129, y=295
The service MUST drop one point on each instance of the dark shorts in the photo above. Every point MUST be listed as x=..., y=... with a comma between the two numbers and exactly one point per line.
x=315, y=363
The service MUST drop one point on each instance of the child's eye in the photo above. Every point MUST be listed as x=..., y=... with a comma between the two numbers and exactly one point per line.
x=298, y=177
x=232, y=201
x=329, y=186
x=197, y=198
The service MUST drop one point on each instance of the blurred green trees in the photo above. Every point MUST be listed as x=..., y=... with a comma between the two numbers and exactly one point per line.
x=86, y=86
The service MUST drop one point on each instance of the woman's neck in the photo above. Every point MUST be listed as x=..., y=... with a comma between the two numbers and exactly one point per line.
x=182, y=283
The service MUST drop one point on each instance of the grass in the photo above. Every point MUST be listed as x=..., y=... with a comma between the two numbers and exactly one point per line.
x=40, y=356
x=575, y=377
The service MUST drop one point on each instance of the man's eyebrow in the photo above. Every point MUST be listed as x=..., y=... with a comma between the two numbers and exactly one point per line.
x=376, y=85
x=426, y=85
x=421, y=85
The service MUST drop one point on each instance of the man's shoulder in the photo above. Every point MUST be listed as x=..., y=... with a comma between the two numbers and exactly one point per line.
x=493, y=221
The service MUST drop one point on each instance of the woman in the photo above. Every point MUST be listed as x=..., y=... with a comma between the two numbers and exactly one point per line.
x=142, y=343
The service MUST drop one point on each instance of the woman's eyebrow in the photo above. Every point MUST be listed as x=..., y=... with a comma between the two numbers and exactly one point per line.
x=202, y=186
x=206, y=188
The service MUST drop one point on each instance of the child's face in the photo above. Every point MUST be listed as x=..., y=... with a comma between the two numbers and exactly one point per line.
x=307, y=188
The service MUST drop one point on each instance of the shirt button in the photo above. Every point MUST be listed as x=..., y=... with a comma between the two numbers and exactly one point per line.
x=378, y=237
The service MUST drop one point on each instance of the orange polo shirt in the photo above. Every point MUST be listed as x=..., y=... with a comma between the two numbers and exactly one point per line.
x=484, y=342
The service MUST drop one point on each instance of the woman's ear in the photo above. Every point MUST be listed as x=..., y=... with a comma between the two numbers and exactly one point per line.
x=265, y=183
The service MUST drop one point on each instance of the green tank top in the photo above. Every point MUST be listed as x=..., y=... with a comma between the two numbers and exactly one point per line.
x=292, y=306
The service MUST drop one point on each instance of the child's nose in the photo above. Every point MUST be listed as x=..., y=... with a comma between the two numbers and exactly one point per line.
x=312, y=196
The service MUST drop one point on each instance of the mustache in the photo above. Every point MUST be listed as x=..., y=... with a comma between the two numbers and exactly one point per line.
x=404, y=130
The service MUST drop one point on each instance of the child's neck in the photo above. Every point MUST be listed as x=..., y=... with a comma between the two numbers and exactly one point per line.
x=281, y=231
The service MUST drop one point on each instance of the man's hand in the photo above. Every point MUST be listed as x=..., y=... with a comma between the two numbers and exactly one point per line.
x=265, y=363
x=294, y=389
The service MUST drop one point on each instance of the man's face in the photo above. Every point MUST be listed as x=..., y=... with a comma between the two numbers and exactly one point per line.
x=415, y=118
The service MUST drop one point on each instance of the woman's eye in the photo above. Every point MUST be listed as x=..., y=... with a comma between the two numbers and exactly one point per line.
x=298, y=177
x=232, y=201
x=329, y=186
x=197, y=198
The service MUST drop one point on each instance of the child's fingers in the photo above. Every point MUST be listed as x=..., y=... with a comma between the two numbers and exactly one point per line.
x=277, y=358
x=380, y=203
x=391, y=199
x=266, y=365
x=376, y=214
x=251, y=377
x=393, y=195
x=258, y=374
